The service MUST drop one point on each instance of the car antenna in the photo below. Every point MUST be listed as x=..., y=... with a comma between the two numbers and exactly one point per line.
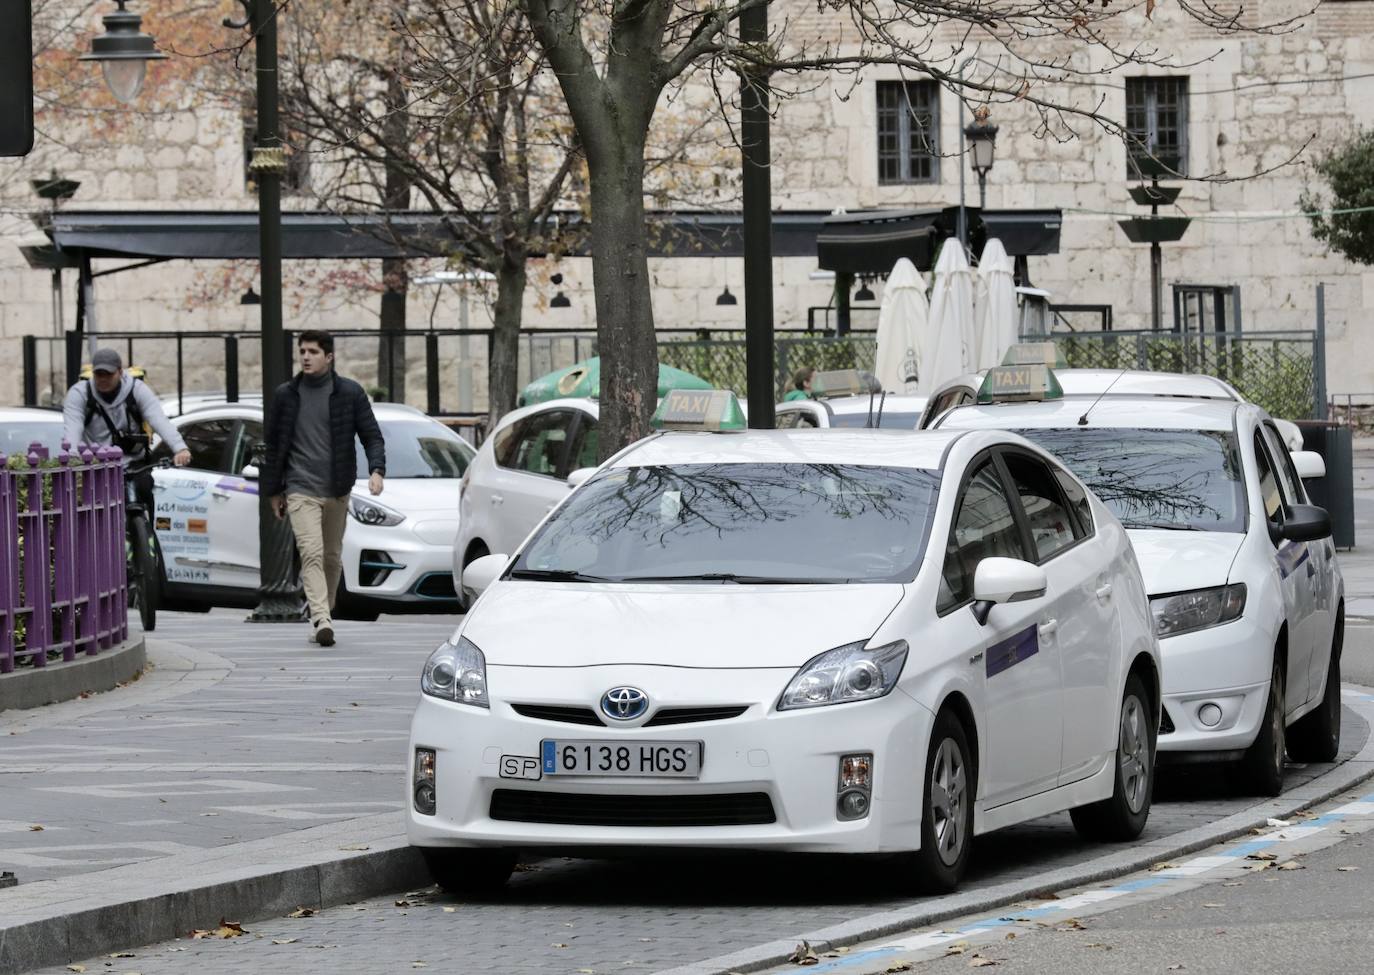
x=883, y=399
x=1083, y=420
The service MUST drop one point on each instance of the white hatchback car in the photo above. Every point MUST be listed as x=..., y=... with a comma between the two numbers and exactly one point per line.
x=886, y=410
x=1241, y=570
x=867, y=642
x=396, y=548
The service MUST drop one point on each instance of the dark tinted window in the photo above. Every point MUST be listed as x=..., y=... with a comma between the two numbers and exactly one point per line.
x=1156, y=478
x=889, y=420
x=1270, y=492
x=1288, y=475
x=983, y=526
x=779, y=522
x=1078, y=500
x=419, y=448
x=586, y=445
x=536, y=444
x=250, y=434
x=207, y=441
x=1051, y=525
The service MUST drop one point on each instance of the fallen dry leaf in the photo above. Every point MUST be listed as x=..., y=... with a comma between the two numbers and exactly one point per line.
x=958, y=948
x=560, y=944
x=35, y=828
x=804, y=955
x=403, y=903
x=226, y=929
x=355, y=847
x=1256, y=867
x=1262, y=856
x=895, y=969
x=1175, y=968
x=586, y=971
x=976, y=962
x=1098, y=944
x=285, y=941
x=76, y=968
x=1292, y=865
x=1162, y=866
x=419, y=964
x=1213, y=904
x=1071, y=924
x=1234, y=883
x=450, y=910
x=302, y=912
x=1347, y=869
x=123, y=954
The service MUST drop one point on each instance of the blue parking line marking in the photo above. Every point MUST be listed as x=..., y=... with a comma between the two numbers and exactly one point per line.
x=859, y=957
x=1144, y=883
x=1245, y=849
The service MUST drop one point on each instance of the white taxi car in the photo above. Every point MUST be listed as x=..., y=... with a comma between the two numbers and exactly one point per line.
x=396, y=547
x=1241, y=570
x=867, y=642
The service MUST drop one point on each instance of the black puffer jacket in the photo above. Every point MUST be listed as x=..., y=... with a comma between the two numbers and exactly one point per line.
x=350, y=416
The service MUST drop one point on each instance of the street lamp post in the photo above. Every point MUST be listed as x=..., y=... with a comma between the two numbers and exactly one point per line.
x=982, y=142
x=123, y=52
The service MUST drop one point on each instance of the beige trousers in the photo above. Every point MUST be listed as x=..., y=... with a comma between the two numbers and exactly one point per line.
x=318, y=524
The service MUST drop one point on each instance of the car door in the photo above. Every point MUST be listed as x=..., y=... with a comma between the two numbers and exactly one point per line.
x=1314, y=575
x=1296, y=569
x=1082, y=632
x=184, y=517
x=530, y=475
x=234, y=502
x=1021, y=686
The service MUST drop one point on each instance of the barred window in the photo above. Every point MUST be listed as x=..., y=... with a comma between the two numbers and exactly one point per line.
x=908, y=132
x=1157, y=123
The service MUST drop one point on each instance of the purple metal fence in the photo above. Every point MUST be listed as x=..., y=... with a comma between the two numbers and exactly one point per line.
x=62, y=580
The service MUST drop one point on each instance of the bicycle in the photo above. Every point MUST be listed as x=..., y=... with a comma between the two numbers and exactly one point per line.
x=144, y=559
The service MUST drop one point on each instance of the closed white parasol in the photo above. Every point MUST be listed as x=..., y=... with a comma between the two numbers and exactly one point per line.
x=904, y=315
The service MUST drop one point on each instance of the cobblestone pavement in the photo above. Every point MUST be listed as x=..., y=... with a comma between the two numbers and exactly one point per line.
x=245, y=732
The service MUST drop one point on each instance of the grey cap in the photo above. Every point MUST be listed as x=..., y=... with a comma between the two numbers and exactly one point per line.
x=106, y=360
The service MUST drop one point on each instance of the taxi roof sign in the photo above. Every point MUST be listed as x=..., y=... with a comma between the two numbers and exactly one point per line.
x=699, y=409
x=1030, y=353
x=1019, y=384
x=841, y=382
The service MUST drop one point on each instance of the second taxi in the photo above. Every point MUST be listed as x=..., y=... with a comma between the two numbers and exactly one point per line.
x=867, y=642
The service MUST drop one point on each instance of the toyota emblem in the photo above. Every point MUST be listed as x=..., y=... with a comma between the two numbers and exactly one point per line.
x=624, y=703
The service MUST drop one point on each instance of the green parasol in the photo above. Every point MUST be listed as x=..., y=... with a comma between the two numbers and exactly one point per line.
x=583, y=379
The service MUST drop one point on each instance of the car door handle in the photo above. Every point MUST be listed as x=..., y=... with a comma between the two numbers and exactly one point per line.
x=1104, y=592
x=1048, y=627
x=219, y=495
x=498, y=499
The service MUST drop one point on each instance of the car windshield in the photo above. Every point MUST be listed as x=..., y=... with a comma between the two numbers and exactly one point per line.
x=419, y=448
x=734, y=523
x=890, y=418
x=16, y=437
x=1172, y=479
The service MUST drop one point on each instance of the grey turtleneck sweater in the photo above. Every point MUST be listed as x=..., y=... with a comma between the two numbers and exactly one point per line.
x=308, y=465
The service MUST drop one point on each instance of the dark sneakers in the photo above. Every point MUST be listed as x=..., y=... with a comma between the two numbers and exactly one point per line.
x=324, y=633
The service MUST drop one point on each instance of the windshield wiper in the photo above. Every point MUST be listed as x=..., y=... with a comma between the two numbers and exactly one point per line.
x=1163, y=526
x=732, y=577
x=557, y=575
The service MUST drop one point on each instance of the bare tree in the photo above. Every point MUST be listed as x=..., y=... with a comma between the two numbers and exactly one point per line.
x=615, y=58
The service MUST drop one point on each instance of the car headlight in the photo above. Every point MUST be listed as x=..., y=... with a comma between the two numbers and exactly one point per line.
x=853, y=672
x=1197, y=609
x=372, y=513
x=456, y=673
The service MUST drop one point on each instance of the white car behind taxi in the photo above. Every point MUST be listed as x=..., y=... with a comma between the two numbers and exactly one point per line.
x=866, y=642
x=1246, y=594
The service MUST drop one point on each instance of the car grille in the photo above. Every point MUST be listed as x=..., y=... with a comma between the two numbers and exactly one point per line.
x=436, y=585
x=579, y=809
x=1166, y=723
x=692, y=715
x=554, y=712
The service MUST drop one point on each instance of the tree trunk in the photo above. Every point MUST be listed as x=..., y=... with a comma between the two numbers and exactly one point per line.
x=624, y=310
x=503, y=364
x=391, y=348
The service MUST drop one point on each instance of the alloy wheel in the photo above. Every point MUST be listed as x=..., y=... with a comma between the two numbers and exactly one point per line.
x=948, y=794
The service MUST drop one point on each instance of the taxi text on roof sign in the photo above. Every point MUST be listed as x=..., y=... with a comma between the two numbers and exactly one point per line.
x=1029, y=353
x=1009, y=384
x=839, y=382
x=699, y=409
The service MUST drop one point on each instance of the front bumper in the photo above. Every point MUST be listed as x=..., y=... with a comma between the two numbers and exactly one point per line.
x=410, y=563
x=1227, y=666
x=792, y=757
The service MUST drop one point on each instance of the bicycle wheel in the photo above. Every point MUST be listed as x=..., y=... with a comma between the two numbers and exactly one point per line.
x=145, y=581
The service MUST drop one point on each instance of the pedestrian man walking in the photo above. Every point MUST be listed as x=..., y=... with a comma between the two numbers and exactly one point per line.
x=310, y=467
x=110, y=409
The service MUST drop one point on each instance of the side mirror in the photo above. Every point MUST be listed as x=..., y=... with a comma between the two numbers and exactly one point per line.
x=1304, y=523
x=249, y=472
x=1309, y=464
x=1003, y=580
x=481, y=573
x=578, y=477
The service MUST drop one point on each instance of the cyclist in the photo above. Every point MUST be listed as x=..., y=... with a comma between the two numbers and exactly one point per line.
x=110, y=408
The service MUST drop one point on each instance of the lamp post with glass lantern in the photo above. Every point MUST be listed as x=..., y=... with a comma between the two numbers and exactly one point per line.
x=982, y=144
x=123, y=52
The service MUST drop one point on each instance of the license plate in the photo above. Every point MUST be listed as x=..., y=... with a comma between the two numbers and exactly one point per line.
x=637, y=759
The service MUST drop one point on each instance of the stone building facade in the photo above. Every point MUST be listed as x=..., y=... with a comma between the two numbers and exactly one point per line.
x=1247, y=103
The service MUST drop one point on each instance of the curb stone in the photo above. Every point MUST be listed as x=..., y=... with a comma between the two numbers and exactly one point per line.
x=1350, y=773
x=35, y=687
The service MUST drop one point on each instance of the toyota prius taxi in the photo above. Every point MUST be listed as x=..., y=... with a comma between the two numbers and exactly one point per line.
x=868, y=642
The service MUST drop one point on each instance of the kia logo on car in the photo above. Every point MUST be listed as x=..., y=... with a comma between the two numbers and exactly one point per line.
x=624, y=703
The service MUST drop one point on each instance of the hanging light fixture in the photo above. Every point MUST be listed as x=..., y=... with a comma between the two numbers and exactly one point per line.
x=726, y=298
x=559, y=300
x=864, y=293
x=250, y=297
x=123, y=52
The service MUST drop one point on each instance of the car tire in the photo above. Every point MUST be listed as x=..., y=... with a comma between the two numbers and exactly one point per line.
x=1122, y=815
x=1316, y=736
x=469, y=871
x=1262, y=767
x=947, y=808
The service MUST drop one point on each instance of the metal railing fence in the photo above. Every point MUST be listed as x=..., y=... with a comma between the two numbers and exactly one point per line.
x=62, y=558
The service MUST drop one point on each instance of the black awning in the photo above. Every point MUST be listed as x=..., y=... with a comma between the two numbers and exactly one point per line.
x=1027, y=233
x=871, y=241
x=228, y=234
